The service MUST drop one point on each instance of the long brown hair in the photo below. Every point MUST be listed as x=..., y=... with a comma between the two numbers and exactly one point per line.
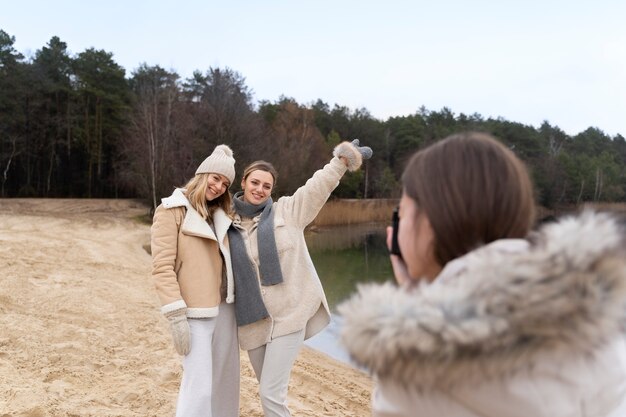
x=196, y=194
x=473, y=189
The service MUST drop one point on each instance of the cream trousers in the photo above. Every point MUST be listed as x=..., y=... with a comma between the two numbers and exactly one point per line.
x=272, y=365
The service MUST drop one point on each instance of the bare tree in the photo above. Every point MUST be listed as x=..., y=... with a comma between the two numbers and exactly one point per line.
x=150, y=151
x=222, y=112
x=11, y=155
x=298, y=147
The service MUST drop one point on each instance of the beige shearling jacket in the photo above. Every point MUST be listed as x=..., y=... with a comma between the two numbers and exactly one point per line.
x=299, y=301
x=186, y=261
x=516, y=328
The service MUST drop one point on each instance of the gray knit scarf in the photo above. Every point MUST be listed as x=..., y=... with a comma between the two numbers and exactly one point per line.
x=249, y=306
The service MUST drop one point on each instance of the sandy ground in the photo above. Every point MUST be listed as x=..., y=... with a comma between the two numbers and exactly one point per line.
x=80, y=328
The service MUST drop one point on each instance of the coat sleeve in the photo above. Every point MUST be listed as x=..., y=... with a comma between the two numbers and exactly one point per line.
x=303, y=206
x=164, y=247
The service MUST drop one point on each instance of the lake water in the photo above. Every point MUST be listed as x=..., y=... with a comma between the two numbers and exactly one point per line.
x=345, y=256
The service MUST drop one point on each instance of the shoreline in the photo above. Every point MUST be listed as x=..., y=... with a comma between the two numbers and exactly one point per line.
x=82, y=332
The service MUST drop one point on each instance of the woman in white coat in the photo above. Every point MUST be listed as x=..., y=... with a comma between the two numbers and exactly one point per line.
x=280, y=300
x=194, y=282
x=488, y=319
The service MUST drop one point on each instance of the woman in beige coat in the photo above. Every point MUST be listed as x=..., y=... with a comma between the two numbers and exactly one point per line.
x=193, y=277
x=487, y=320
x=280, y=300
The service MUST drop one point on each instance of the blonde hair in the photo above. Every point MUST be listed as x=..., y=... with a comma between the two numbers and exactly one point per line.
x=195, y=191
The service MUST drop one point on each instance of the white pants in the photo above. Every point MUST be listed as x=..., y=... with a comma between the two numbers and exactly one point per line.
x=272, y=365
x=210, y=383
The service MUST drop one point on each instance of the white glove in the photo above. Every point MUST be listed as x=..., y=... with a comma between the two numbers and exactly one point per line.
x=180, y=330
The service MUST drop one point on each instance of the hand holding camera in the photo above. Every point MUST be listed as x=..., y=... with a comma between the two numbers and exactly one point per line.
x=397, y=263
x=395, y=223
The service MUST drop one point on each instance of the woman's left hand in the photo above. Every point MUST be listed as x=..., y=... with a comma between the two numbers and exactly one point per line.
x=400, y=271
x=352, y=154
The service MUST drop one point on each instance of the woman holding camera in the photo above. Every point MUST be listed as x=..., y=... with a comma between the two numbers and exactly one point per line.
x=488, y=318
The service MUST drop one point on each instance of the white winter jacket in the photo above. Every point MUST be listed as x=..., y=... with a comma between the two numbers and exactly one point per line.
x=514, y=329
x=299, y=301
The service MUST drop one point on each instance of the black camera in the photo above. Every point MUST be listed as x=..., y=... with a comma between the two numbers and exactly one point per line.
x=395, y=221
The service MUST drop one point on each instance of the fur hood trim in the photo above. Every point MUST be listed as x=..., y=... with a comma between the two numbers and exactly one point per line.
x=500, y=311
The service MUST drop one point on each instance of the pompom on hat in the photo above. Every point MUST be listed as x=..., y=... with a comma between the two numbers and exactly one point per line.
x=221, y=161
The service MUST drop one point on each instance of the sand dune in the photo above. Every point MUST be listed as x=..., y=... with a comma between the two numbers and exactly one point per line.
x=81, y=333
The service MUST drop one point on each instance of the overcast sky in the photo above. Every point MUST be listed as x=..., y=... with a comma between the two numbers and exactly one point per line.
x=526, y=61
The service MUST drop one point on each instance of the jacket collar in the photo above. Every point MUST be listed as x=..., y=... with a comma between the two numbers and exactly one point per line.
x=177, y=199
x=498, y=310
x=194, y=224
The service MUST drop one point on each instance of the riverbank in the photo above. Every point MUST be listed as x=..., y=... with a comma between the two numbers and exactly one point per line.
x=344, y=212
x=81, y=330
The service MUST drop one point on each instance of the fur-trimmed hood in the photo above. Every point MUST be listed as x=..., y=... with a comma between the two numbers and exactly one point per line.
x=497, y=310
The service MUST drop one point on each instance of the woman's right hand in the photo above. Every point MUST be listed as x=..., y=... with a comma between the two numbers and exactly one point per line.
x=179, y=326
x=400, y=270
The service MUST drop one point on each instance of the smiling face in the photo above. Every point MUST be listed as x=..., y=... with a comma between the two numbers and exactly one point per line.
x=416, y=240
x=257, y=187
x=217, y=185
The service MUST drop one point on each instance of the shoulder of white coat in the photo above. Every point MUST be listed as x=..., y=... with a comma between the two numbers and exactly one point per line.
x=177, y=199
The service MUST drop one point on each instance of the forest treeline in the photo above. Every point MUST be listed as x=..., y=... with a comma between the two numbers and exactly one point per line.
x=79, y=126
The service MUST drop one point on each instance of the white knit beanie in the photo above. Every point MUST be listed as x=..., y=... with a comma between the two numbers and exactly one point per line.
x=221, y=161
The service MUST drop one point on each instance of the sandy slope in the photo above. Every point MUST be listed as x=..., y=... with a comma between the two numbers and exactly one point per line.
x=80, y=330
